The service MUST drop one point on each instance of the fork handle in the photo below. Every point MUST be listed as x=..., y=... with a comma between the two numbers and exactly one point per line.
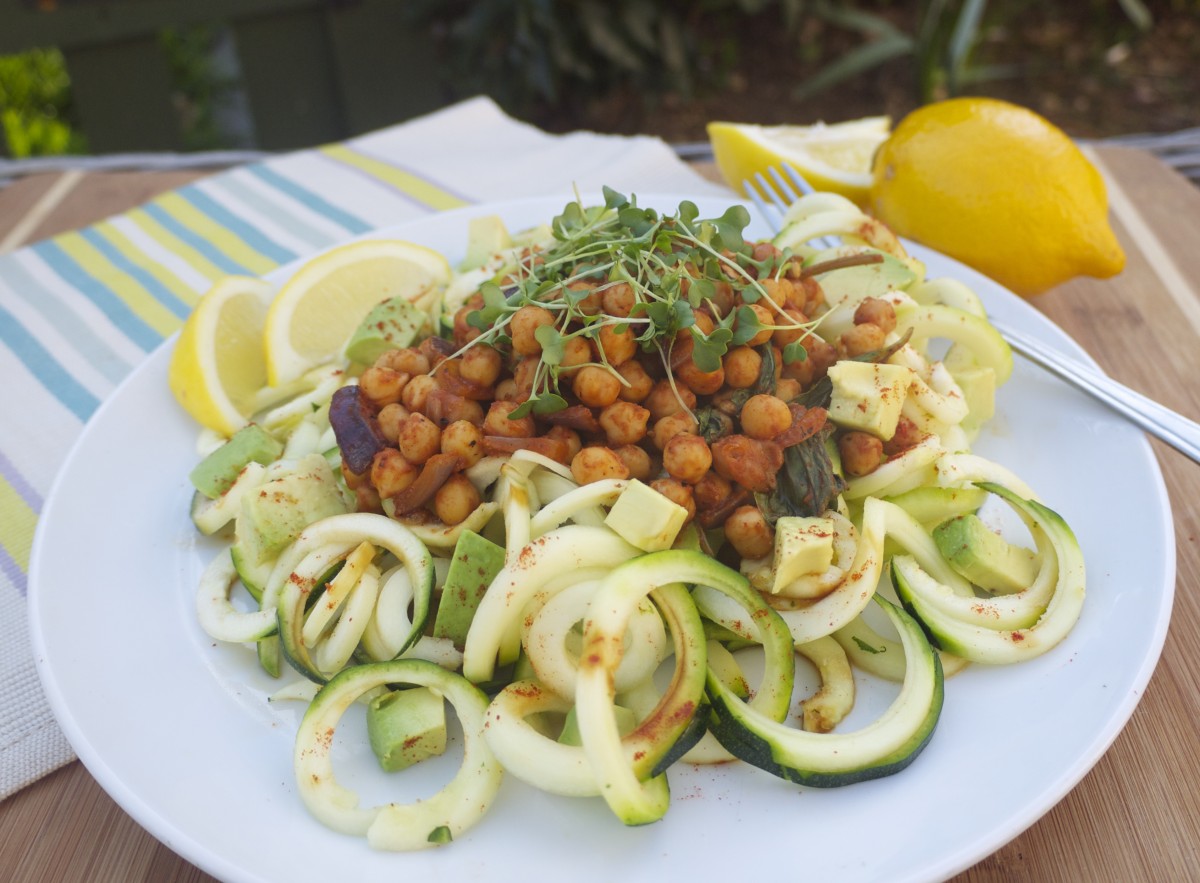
x=1173, y=428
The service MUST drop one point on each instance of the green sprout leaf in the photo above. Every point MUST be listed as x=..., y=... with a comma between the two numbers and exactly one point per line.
x=747, y=325
x=794, y=352
x=553, y=349
x=708, y=350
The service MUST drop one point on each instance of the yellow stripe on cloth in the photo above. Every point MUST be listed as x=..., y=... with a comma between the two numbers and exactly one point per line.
x=17, y=522
x=418, y=188
x=134, y=255
x=220, y=238
x=144, y=305
x=174, y=244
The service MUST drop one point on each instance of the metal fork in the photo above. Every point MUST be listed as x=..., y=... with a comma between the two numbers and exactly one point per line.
x=772, y=199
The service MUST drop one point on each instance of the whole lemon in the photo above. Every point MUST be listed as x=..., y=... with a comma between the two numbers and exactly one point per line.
x=1001, y=189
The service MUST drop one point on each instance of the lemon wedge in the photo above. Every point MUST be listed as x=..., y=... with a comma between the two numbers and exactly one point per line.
x=218, y=363
x=319, y=308
x=834, y=157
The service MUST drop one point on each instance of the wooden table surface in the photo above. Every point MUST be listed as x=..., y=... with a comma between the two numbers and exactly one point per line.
x=1134, y=817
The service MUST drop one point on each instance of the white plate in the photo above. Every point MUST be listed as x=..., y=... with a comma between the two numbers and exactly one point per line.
x=178, y=731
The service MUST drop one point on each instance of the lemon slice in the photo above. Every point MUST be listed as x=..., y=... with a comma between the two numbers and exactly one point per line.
x=218, y=363
x=319, y=308
x=835, y=157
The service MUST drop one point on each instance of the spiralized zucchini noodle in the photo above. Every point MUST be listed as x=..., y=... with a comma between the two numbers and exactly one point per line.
x=607, y=458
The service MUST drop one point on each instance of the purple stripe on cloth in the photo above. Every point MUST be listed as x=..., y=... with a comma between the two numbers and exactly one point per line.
x=13, y=571
x=18, y=482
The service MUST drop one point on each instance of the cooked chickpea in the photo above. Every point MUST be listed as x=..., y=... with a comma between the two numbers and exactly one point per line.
x=787, y=388
x=481, y=365
x=419, y=438
x=763, y=250
x=636, y=460
x=595, y=387
x=596, y=463
x=701, y=382
x=765, y=416
x=570, y=436
x=523, y=325
x=618, y=343
x=497, y=422
x=390, y=417
x=704, y=322
x=687, y=457
x=778, y=290
x=789, y=332
x=624, y=423
x=455, y=500
x=464, y=331
x=861, y=339
x=640, y=383
x=436, y=350
x=506, y=390
x=742, y=366
x=416, y=392
x=861, y=453
x=876, y=311
x=766, y=318
x=749, y=533
x=464, y=439
x=407, y=361
x=618, y=300
x=382, y=386
x=576, y=352
x=672, y=425
x=750, y=462
x=711, y=490
x=677, y=492
x=593, y=300
x=523, y=373
x=663, y=401
x=391, y=472
x=444, y=408
x=821, y=355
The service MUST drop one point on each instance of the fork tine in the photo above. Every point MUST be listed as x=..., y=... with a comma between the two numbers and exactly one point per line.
x=801, y=184
x=768, y=211
x=790, y=194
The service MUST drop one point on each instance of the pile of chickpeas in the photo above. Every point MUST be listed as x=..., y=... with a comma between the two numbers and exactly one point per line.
x=627, y=416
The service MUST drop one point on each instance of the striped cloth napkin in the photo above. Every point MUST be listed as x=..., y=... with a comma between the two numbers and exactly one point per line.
x=80, y=310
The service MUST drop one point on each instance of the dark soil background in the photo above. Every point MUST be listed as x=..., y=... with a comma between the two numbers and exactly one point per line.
x=1083, y=65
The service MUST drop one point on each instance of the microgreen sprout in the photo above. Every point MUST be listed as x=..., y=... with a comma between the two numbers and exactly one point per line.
x=673, y=265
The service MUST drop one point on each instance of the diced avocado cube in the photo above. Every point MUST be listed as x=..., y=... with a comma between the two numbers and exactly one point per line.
x=391, y=325
x=475, y=564
x=645, y=518
x=486, y=237
x=406, y=727
x=626, y=721
x=984, y=557
x=217, y=472
x=275, y=512
x=802, y=545
x=868, y=396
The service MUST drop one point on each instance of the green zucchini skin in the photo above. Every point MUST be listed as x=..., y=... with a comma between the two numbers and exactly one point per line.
x=832, y=760
x=975, y=637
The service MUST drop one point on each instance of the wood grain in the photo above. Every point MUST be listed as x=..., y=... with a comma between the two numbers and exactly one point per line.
x=1135, y=817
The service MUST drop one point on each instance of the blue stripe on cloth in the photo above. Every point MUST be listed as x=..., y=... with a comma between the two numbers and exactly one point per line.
x=309, y=199
x=98, y=293
x=45, y=368
x=248, y=233
x=155, y=288
x=272, y=206
x=66, y=321
x=181, y=231
x=13, y=571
